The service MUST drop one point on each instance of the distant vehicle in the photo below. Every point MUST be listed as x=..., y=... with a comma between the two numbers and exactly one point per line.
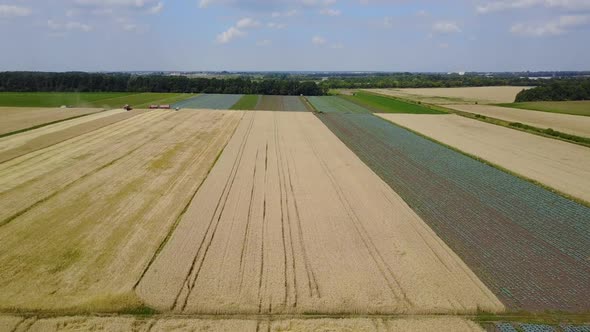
x=127, y=107
x=165, y=107
x=154, y=107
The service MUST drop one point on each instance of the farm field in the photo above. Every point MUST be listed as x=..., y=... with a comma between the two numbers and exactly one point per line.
x=559, y=165
x=19, y=144
x=281, y=103
x=80, y=220
x=87, y=99
x=210, y=101
x=571, y=124
x=581, y=107
x=247, y=102
x=15, y=119
x=382, y=104
x=527, y=244
x=442, y=96
x=333, y=104
x=290, y=221
x=169, y=324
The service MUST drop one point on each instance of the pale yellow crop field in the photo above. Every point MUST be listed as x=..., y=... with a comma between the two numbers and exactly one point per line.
x=20, y=144
x=291, y=221
x=18, y=118
x=80, y=220
x=181, y=324
x=572, y=124
x=559, y=165
x=443, y=96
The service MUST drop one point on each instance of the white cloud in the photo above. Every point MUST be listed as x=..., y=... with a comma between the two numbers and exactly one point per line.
x=228, y=35
x=157, y=8
x=495, y=6
x=289, y=13
x=552, y=28
x=7, y=11
x=237, y=30
x=247, y=23
x=68, y=26
x=445, y=27
x=318, y=40
x=330, y=12
x=337, y=46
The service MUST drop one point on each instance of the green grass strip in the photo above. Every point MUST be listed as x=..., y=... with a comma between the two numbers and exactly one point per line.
x=382, y=104
x=247, y=102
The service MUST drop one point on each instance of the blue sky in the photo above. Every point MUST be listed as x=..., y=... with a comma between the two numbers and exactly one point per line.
x=385, y=35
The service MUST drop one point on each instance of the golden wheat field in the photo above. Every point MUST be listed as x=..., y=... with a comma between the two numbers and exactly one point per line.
x=571, y=124
x=443, y=96
x=180, y=324
x=80, y=220
x=291, y=221
x=19, y=118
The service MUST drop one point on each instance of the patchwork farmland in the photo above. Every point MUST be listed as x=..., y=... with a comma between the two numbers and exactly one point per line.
x=282, y=103
x=496, y=222
x=295, y=214
x=209, y=101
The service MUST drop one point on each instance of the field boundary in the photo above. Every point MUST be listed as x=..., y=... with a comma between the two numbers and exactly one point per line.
x=20, y=131
x=503, y=123
x=535, y=182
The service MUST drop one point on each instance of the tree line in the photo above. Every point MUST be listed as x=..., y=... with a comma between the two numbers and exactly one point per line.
x=558, y=90
x=118, y=82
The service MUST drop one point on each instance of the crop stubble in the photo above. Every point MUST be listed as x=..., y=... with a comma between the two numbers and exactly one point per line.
x=572, y=124
x=80, y=220
x=559, y=165
x=19, y=118
x=482, y=95
x=290, y=221
x=20, y=144
x=180, y=324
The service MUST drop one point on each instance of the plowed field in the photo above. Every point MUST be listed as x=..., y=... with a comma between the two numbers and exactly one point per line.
x=281, y=103
x=210, y=101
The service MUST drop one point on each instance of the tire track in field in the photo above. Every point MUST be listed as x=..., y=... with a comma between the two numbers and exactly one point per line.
x=79, y=179
x=210, y=232
x=285, y=207
x=385, y=270
x=196, y=160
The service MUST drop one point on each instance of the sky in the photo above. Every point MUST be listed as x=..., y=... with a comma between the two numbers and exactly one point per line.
x=296, y=35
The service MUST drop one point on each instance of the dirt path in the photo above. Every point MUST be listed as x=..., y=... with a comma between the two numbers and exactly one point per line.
x=291, y=221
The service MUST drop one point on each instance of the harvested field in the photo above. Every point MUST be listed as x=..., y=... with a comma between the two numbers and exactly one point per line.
x=281, y=103
x=482, y=95
x=332, y=104
x=559, y=165
x=210, y=101
x=20, y=144
x=16, y=119
x=169, y=324
x=571, y=124
x=573, y=107
x=527, y=244
x=9, y=323
x=80, y=220
x=281, y=226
